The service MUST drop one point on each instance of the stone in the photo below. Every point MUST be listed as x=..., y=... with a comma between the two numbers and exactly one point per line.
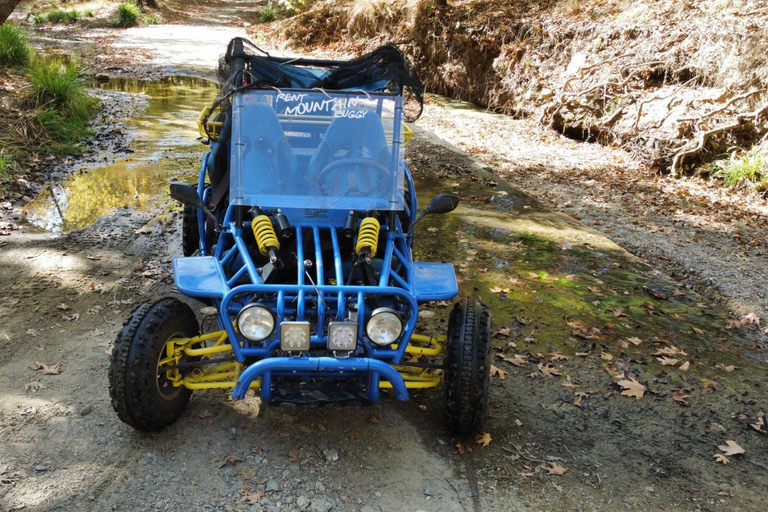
x=320, y=505
x=272, y=486
x=331, y=455
x=302, y=502
x=86, y=410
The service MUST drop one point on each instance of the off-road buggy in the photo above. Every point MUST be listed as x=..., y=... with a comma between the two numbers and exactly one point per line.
x=297, y=240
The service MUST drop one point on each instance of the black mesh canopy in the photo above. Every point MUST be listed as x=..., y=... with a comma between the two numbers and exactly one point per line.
x=246, y=66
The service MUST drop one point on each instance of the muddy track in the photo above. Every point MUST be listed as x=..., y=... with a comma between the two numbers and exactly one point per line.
x=574, y=314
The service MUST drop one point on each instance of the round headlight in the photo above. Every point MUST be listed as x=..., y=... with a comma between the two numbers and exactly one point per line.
x=384, y=327
x=255, y=322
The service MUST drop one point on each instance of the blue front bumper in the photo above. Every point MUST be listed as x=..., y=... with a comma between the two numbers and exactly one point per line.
x=373, y=369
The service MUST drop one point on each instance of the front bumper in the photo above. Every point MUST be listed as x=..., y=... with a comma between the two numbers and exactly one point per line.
x=373, y=369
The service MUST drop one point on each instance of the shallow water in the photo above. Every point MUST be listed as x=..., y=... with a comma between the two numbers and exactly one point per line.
x=165, y=146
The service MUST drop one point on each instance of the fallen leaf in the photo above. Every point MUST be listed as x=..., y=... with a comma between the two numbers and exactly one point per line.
x=495, y=370
x=731, y=323
x=483, y=439
x=667, y=361
x=557, y=356
x=680, y=397
x=617, y=313
x=463, y=448
x=759, y=425
x=570, y=386
x=144, y=230
x=635, y=341
x=751, y=318
x=32, y=410
x=605, y=356
x=729, y=368
x=671, y=350
x=574, y=324
x=33, y=386
x=519, y=360
x=374, y=419
x=32, y=332
x=731, y=448
x=548, y=370
x=719, y=457
x=685, y=366
x=47, y=370
x=354, y=435
x=555, y=469
x=293, y=453
x=63, y=307
x=697, y=330
x=632, y=388
x=503, y=332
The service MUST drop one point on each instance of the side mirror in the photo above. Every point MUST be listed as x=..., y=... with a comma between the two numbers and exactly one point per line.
x=441, y=203
x=187, y=194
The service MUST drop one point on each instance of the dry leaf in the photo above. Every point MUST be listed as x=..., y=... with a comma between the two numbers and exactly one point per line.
x=685, y=366
x=667, y=361
x=570, y=386
x=617, y=313
x=668, y=351
x=635, y=341
x=354, y=435
x=632, y=388
x=47, y=370
x=605, y=356
x=759, y=425
x=34, y=386
x=374, y=419
x=519, y=360
x=503, y=332
x=548, y=370
x=495, y=370
x=557, y=356
x=63, y=307
x=680, y=397
x=729, y=368
x=731, y=448
x=719, y=457
x=463, y=448
x=751, y=318
x=731, y=323
x=555, y=469
x=483, y=439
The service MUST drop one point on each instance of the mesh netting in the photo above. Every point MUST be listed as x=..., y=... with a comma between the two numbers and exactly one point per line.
x=246, y=66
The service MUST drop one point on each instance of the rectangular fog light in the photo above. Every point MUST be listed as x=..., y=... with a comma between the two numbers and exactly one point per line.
x=294, y=336
x=342, y=336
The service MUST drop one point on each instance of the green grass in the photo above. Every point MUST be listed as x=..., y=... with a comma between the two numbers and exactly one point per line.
x=62, y=106
x=6, y=166
x=745, y=170
x=267, y=15
x=14, y=51
x=151, y=19
x=57, y=16
x=128, y=15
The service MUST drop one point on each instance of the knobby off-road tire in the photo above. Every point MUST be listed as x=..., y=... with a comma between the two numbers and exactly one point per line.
x=468, y=367
x=190, y=236
x=140, y=394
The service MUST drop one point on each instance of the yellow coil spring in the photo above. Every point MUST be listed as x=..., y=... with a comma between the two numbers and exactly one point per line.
x=368, y=235
x=265, y=234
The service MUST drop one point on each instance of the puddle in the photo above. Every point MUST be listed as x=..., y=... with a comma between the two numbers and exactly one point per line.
x=164, y=146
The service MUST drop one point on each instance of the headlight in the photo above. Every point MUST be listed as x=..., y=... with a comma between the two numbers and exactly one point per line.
x=295, y=336
x=342, y=336
x=384, y=327
x=255, y=322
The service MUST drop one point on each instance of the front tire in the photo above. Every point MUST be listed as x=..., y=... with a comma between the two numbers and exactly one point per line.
x=468, y=367
x=141, y=395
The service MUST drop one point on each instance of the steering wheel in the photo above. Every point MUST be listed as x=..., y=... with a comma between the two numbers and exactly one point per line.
x=379, y=176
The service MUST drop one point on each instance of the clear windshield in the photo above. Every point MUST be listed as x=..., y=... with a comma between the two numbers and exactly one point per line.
x=317, y=149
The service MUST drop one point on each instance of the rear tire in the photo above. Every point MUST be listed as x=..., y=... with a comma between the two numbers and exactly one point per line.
x=468, y=367
x=140, y=394
x=190, y=234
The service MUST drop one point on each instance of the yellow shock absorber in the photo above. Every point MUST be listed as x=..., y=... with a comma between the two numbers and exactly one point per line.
x=265, y=234
x=368, y=235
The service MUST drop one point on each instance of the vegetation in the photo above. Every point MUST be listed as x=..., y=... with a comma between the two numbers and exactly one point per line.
x=151, y=19
x=747, y=170
x=52, y=117
x=57, y=16
x=14, y=51
x=268, y=14
x=128, y=15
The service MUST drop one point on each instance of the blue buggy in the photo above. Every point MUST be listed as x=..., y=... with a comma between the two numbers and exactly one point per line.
x=297, y=240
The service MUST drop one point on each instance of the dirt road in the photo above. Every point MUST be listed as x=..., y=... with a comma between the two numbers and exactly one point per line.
x=575, y=316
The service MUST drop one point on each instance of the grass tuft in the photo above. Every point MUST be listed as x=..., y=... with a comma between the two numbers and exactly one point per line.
x=746, y=170
x=14, y=51
x=151, y=19
x=267, y=15
x=57, y=16
x=128, y=15
x=61, y=102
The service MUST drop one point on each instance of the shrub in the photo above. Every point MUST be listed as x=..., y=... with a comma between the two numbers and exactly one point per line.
x=56, y=16
x=13, y=46
x=151, y=19
x=747, y=170
x=62, y=105
x=128, y=15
